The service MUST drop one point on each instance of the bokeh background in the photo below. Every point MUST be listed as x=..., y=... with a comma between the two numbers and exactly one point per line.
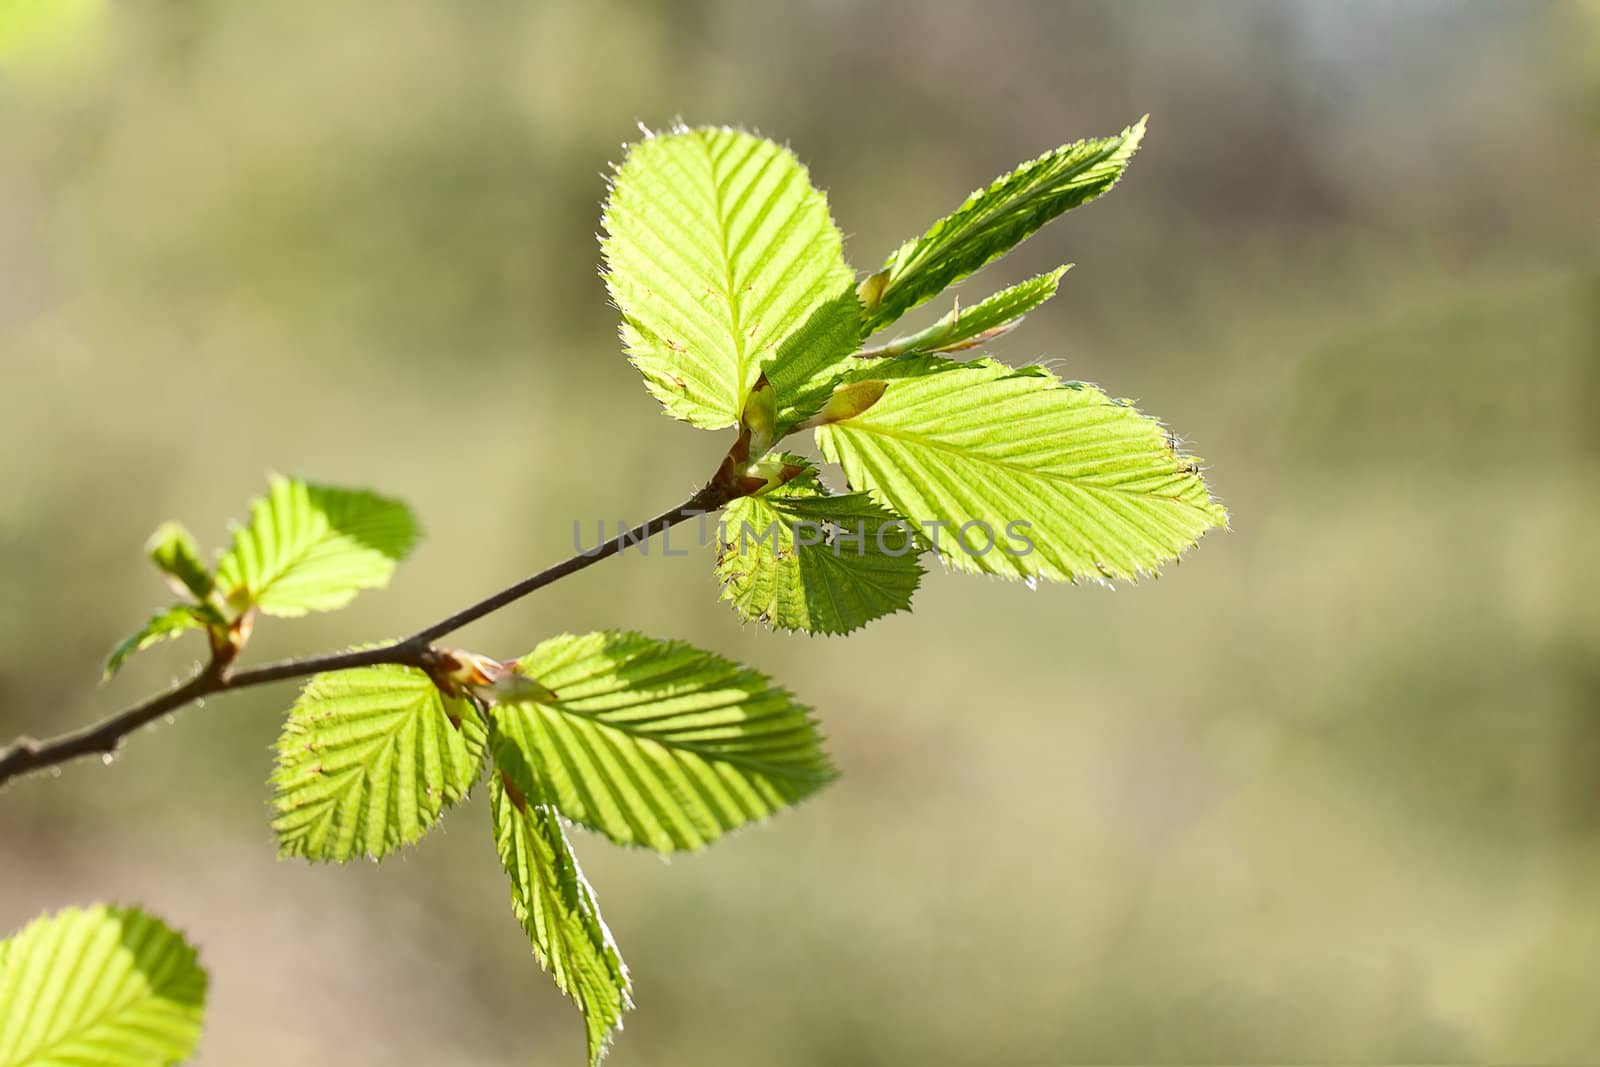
x=1329, y=791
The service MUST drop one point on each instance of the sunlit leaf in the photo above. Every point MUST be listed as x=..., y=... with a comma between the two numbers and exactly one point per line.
x=313, y=547
x=1029, y=476
x=174, y=552
x=969, y=327
x=995, y=220
x=162, y=626
x=104, y=985
x=799, y=559
x=718, y=251
x=657, y=743
x=553, y=902
x=369, y=759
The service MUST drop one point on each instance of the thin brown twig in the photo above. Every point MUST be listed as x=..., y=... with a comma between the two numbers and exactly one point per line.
x=26, y=755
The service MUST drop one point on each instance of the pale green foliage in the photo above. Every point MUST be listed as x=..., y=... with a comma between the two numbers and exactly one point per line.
x=313, y=547
x=994, y=220
x=739, y=309
x=173, y=550
x=717, y=251
x=108, y=986
x=830, y=585
x=1104, y=490
x=657, y=743
x=970, y=327
x=306, y=548
x=162, y=626
x=553, y=901
x=368, y=761
x=811, y=359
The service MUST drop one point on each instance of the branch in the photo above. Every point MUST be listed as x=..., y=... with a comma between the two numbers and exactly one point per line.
x=26, y=755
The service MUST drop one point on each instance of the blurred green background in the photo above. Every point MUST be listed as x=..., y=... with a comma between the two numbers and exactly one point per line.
x=1328, y=791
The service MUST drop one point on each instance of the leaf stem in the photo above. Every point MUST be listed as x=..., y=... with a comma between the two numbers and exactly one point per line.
x=26, y=755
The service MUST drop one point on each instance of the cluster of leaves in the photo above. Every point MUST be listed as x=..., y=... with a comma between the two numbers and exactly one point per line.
x=306, y=548
x=650, y=743
x=740, y=311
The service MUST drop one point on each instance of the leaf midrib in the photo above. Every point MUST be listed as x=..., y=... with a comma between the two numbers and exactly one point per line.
x=298, y=557
x=729, y=287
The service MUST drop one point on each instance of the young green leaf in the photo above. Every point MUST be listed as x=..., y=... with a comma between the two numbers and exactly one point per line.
x=717, y=250
x=174, y=552
x=659, y=744
x=970, y=327
x=553, y=902
x=368, y=761
x=101, y=985
x=313, y=547
x=995, y=220
x=1049, y=479
x=800, y=559
x=811, y=360
x=162, y=626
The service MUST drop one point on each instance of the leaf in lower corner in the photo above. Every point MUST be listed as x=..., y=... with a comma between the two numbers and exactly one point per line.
x=553, y=902
x=657, y=743
x=100, y=985
x=369, y=760
x=312, y=547
x=800, y=559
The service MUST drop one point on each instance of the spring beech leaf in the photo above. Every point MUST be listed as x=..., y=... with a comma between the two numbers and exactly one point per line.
x=553, y=902
x=162, y=626
x=969, y=327
x=995, y=220
x=369, y=759
x=799, y=559
x=724, y=261
x=174, y=552
x=101, y=985
x=313, y=547
x=658, y=744
x=813, y=358
x=1031, y=477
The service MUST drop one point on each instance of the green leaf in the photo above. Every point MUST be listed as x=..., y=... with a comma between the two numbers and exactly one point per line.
x=717, y=250
x=1101, y=488
x=102, y=985
x=553, y=902
x=369, y=760
x=992, y=221
x=966, y=328
x=812, y=359
x=313, y=547
x=657, y=743
x=162, y=626
x=174, y=552
x=800, y=559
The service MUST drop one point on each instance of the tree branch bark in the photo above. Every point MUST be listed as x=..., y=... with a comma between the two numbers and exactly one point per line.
x=26, y=756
